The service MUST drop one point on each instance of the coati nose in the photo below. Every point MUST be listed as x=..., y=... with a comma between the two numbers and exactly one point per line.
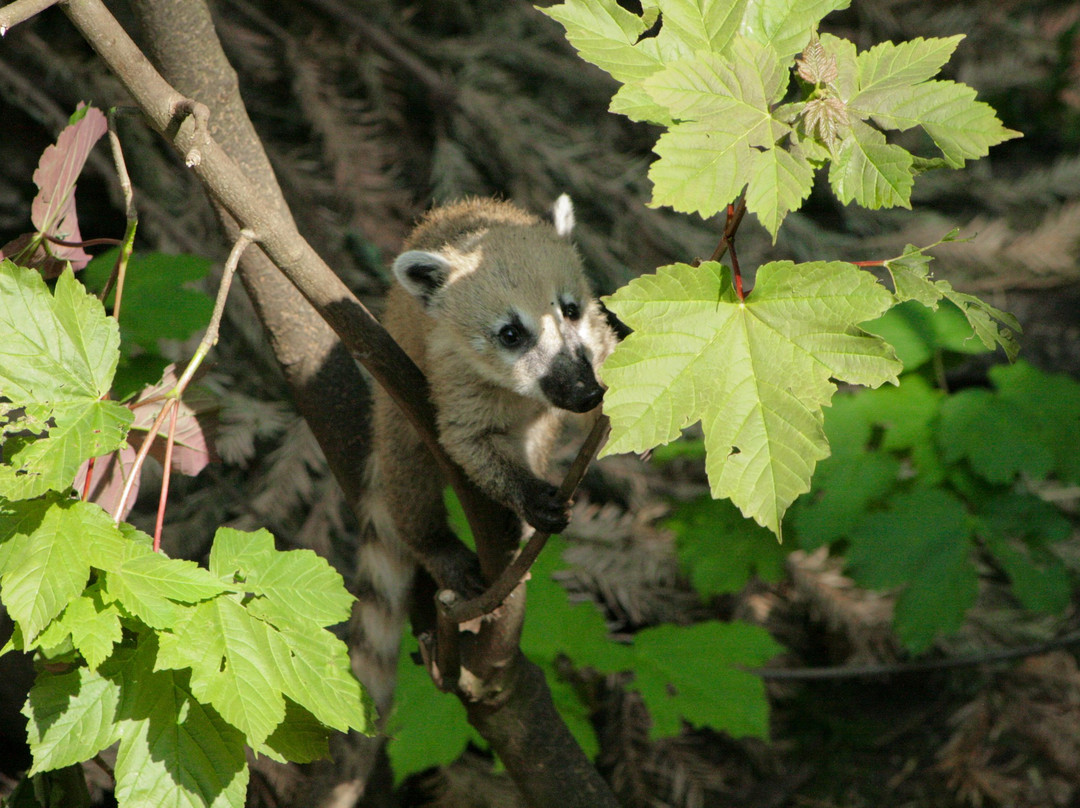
x=591, y=399
x=570, y=383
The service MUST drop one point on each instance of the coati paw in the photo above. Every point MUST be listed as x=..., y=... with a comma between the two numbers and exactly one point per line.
x=458, y=572
x=544, y=509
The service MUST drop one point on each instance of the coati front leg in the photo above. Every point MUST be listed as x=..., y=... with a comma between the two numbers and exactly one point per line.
x=413, y=495
x=494, y=458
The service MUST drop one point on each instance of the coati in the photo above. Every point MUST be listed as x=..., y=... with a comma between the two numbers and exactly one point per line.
x=492, y=304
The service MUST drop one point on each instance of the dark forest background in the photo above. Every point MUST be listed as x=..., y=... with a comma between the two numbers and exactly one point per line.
x=373, y=111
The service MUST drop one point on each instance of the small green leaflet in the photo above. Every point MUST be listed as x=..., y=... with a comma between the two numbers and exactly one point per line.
x=58, y=353
x=150, y=586
x=912, y=281
x=232, y=656
x=92, y=625
x=756, y=373
x=785, y=25
x=298, y=584
x=249, y=654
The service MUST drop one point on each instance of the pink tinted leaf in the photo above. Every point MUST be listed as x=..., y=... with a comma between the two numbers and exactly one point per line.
x=53, y=209
x=196, y=423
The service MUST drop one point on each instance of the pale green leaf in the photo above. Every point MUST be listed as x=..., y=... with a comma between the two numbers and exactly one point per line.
x=232, y=656
x=868, y=170
x=71, y=717
x=318, y=677
x=58, y=353
x=607, y=35
x=786, y=25
x=706, y=25
x=48, y=546
x=963, y=128
x=702, y=167
x=632, y=101
x=708, y=86
x=149, y=585
x=174, y=751
x=756, y=373
x=886, y=68
x=299, y=584
x=93, y=626
x=705, y=162
x=779, y=181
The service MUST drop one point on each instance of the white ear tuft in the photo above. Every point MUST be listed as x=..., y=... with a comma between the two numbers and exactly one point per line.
x=562, y=213
x=421, y=273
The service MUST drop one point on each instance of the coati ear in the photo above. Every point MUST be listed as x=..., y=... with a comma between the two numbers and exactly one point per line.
x=562, y=215
x=421, y=273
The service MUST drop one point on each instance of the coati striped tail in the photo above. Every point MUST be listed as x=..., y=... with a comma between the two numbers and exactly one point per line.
x=382, y=587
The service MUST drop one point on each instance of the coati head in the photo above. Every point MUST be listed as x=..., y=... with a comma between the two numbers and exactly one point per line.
x=507, y=292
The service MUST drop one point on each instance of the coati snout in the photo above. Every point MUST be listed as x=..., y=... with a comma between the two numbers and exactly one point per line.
x=571, y=383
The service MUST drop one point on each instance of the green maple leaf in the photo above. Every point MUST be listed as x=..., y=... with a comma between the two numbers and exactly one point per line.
x=696, y=673
x=151, y=585
x=58, y=353
x=702, y=25
x=609, y=37
x=726, y=136
x=892, y=85
x=869, y=170
x=299, y=584
x=92, y=625
x=756, y=373
x=921, y=543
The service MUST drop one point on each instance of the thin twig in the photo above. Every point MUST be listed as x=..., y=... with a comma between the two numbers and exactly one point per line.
x=20, y=11
x=165, y=475
x=140, y=458
x=208, y=341
x=731, y=227
x=510, y=577
x=210, y=338
x=918, y=666
x=121, y=165
x=90, y=242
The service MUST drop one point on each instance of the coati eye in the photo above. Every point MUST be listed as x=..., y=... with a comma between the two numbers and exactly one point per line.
x=510, y=336
x=571, y=310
